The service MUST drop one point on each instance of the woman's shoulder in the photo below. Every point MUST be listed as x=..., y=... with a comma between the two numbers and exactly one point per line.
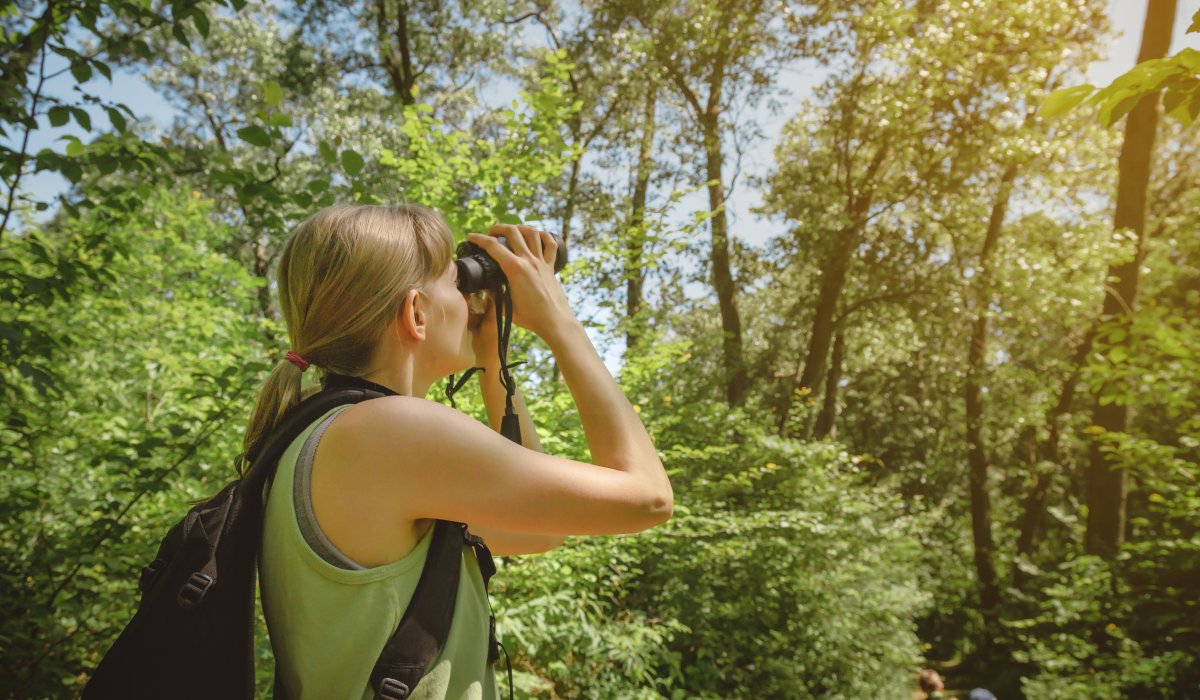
x=390, y=421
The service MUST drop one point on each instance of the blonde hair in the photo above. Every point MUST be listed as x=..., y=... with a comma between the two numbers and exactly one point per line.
x=343, y=277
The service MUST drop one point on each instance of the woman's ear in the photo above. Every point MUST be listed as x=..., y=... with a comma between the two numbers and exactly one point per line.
x=412, y=316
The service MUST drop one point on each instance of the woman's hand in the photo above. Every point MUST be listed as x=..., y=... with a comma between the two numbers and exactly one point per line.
x=539, y=302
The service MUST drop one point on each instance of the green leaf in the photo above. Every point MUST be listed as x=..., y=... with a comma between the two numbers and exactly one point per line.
x=272, y=93
x=237, y=5
x=84, y=119
x=117, y=119
x=1064, y=100
x=59, y=116
x=255, y=136
x=1181, y=103
x=352, y=163
x=82, y=71
x=1112, y=112
x=177, y=31
x=142, y=49
x=1194, y=27
x=328, y=154
x=104, y=69
x=278, y=119
x=1173, y=98
x=201, y=21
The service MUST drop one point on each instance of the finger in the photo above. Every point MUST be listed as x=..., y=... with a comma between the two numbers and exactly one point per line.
x=532, y=240
x=512, y=234
x=494, y=247
x=549, y=247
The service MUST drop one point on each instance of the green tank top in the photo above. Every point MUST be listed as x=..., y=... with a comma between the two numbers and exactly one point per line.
x=328, y=623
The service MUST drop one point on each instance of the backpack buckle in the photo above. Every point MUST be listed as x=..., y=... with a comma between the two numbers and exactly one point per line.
x=392, y=689
x=193, y=591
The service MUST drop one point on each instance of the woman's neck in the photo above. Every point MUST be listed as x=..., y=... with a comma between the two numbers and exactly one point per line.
x=401, y=377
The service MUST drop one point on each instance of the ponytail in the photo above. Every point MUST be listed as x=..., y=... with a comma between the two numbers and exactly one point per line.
x=342, y=278
x=279, y=394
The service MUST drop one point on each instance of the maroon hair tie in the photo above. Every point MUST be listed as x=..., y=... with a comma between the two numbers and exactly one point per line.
x=296, y=360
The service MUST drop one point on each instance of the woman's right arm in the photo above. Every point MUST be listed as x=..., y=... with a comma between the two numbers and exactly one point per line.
x=446, y=465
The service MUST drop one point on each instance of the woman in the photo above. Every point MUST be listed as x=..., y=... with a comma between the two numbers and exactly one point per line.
x=370, y=292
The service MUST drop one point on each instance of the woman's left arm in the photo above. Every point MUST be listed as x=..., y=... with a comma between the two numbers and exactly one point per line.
x=503, y=542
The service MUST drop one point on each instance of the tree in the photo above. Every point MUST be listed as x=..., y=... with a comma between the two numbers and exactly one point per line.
x=635, y=275
x=713, y=53
x=1108, y=484
x=432, y=52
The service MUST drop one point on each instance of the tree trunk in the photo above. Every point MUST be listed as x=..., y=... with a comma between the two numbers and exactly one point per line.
x=569, y=211
x=572, y=188
x=981, y=501
x=827, y=421
x=1106, y=485
x=399, y=72
x=635, y=276
x=260, y=270
x=731, y=322
x=1034, y=506
x=833, y=278
x=977, y=459
x=261, y=265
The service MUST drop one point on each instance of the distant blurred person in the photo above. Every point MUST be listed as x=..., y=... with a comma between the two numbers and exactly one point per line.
x=931, y=683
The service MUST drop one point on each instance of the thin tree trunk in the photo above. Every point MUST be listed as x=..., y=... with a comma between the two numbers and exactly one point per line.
x=260, y=270
x=1106, y=485
x=827, y=421
x=399, y=72
x=569, y=211
x=1034, y=506
x=635, y=276
x=572, y=188
x=731, y=323
x=977, y=459
x=833, y=278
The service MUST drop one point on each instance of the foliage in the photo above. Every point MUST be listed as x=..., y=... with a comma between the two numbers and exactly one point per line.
x=810, y=574
x=160, y=373
x=1177, y=76
x=940, y=230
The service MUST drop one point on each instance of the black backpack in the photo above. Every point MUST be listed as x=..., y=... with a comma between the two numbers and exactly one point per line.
x=192, y=635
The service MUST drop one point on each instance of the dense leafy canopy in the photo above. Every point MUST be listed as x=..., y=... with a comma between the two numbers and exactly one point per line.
x=886, y=427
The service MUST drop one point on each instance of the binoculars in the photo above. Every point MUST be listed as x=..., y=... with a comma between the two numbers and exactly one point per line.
x=478, y=271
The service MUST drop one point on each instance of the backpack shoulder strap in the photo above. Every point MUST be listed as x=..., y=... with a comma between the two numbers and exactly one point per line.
x=425, y=625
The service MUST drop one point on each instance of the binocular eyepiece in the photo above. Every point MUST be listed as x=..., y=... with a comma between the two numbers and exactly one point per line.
x=478, y=271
